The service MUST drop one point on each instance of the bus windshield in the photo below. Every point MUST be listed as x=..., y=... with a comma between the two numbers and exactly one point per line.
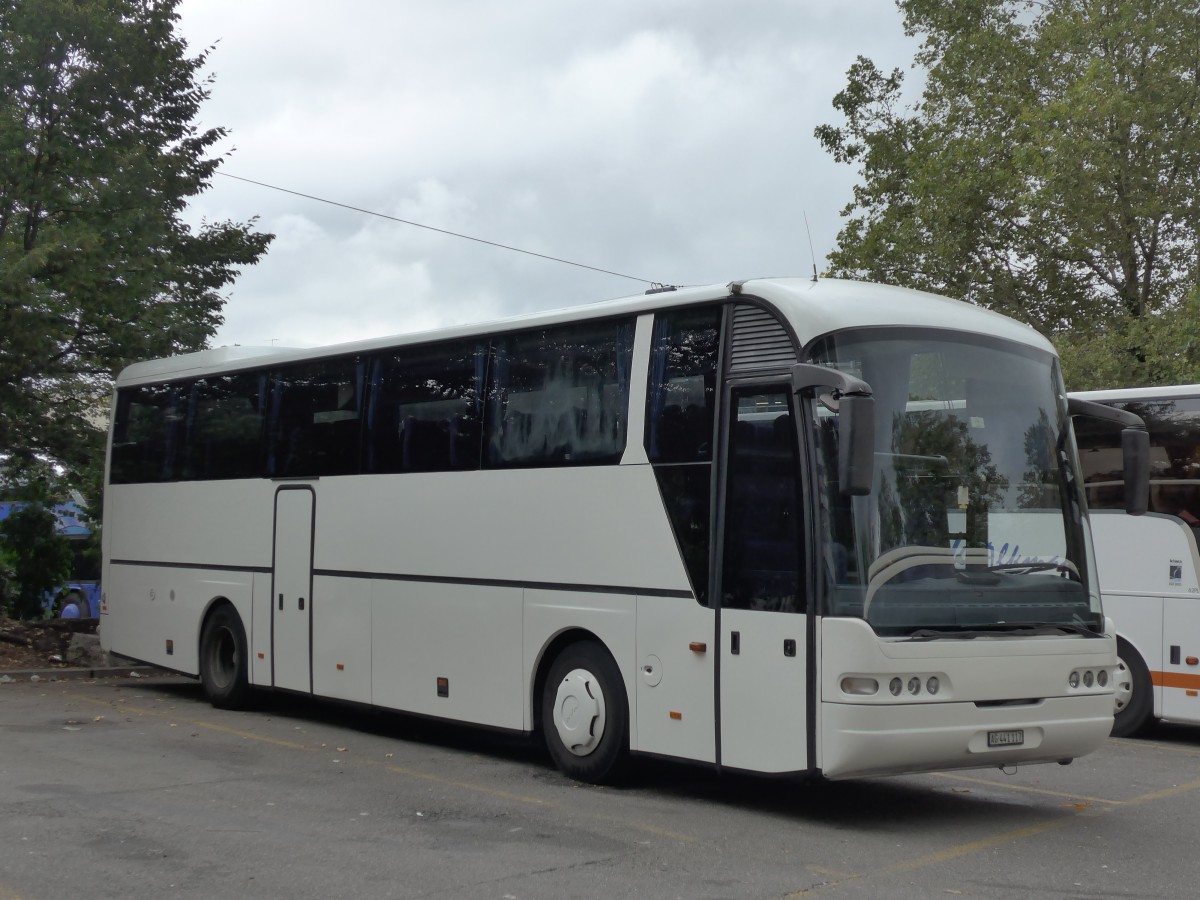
x=973, y=526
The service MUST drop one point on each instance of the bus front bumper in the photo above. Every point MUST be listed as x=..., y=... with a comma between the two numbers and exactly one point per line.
x=871, y=739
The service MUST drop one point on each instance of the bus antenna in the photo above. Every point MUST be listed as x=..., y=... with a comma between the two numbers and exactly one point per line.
x=811, y=251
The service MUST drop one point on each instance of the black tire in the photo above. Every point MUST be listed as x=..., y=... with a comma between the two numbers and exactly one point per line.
x=224, y=660
x=1134, y=692
x=585, y=714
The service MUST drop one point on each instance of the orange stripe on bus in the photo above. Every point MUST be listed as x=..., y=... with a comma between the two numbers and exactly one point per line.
x=1175, y=680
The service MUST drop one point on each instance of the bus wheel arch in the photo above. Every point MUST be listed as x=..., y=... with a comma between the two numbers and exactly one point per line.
x=225, y=657
x=1133, y=692
x=582, y=708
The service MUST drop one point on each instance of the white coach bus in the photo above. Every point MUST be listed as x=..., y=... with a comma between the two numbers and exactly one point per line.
x=826, y=529
x=1149, y=565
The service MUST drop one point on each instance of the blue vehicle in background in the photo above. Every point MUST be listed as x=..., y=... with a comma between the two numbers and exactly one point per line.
x=79, y=598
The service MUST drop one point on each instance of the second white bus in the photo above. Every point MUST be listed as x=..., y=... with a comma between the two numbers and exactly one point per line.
x=1148, y=565
x=783, y=526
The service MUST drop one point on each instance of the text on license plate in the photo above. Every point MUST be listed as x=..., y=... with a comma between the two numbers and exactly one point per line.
x=1006, y=738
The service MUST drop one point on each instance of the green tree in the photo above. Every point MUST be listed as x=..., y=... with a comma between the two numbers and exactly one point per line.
x=98, y=157
x=39, y=557
x=1050, y=170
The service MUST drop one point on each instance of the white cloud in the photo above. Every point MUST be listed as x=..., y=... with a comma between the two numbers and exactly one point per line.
x=658, y=138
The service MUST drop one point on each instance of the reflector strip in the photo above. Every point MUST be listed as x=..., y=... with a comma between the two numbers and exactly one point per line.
x=1175, y=680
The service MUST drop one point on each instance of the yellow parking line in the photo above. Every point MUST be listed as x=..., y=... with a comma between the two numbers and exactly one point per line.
x=928, y=859
x=941, y=856
x=1009, y=786
x=294, y=745
x=1173, y=791
x=660, y=832
x=1158, y=745
x=250, y=735
x=465, y=785
x=986, y=843
x=1006, y=837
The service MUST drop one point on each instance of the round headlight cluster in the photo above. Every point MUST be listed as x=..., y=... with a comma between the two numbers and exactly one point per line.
x=897, y=685
x=1087, y=678
x=914, y=685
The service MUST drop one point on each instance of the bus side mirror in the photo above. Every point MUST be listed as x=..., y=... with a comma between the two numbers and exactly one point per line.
x=1135, y=458
x=856, y=444
x=856, y=423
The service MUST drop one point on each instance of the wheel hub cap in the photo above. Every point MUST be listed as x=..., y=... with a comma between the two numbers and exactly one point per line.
x=579, y=712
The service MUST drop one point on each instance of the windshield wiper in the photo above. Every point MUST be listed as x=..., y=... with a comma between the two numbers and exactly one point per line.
x=991, y=574
x=931, y=634
x=1031, y=566
x=1017, y=629
x=1062, y=627
x=1063, y=567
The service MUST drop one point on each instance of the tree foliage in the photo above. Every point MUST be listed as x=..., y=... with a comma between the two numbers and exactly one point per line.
x=1050, y=170
x=98, y=157
x=39, y=557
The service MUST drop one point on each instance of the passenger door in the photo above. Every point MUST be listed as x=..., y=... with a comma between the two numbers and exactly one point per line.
x=291, y=592
x=763, y=630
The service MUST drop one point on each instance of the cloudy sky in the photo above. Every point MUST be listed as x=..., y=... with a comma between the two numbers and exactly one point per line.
x=663, y=140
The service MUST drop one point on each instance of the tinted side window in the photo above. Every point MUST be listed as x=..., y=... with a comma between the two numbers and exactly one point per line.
x=559, y=396
x=685, y=491
x=762, y=561
x=145, y=434
x=1100, y=458
x=424, y=410
x=1174, y=427
x=683, y=380
x=314, y=419
x=225, y=428
x=680, y=410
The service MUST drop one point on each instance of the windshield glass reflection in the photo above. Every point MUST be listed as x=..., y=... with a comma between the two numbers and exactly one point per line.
x=973, y=524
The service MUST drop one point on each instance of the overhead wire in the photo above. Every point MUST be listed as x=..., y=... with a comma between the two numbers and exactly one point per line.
x=466, y=237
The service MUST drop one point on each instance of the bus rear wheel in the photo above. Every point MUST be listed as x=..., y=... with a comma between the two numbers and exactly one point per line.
x=224, y=670
x=1132, y=692
x=585, y=714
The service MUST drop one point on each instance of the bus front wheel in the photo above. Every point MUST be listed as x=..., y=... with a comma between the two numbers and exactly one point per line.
x=1132, y=688
x=223, y=660
x=585, y=714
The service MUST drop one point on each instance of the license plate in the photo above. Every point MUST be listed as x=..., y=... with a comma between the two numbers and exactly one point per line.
x=1006, y=738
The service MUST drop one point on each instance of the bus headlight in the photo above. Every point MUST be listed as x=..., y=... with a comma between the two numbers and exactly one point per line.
x=895, y=686
x=1073, y=680
x=933, y=685
x=1102, y=678
x=914, y=685
x=1088, y=678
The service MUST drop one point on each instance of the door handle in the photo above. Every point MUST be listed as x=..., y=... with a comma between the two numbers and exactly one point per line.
x=281, y=601
x=735, y=643
x=301, y=603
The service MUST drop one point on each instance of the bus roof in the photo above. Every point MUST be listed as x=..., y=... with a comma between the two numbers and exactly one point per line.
x=813, y=308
